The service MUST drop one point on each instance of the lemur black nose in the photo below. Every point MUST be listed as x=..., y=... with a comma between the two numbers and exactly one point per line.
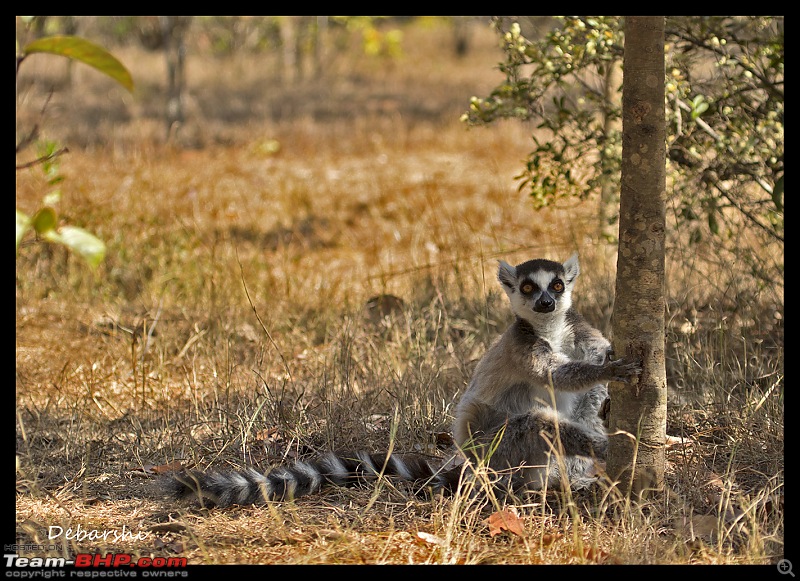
x=544, y=305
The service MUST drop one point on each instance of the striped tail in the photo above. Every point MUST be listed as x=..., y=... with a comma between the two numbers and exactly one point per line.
x=286, y=483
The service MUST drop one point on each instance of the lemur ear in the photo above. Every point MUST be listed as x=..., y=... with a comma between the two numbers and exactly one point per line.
x=572, y=268
x=507, y=275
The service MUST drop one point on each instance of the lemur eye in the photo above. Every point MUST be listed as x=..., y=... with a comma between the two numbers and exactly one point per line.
x=527, y=288
x=557, y=286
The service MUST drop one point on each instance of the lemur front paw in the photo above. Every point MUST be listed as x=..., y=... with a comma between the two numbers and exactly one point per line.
x=624, y=370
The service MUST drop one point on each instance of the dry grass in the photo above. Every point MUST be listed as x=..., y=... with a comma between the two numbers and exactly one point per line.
x=231, y=324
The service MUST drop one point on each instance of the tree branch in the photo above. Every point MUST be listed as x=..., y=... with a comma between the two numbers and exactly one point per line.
x=44, y=158
x=749, y=216
x=768, y=85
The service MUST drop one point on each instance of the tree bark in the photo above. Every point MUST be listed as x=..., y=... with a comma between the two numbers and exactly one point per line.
x=638, y=412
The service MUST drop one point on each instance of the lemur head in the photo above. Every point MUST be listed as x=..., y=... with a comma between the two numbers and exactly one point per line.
x=539, y=287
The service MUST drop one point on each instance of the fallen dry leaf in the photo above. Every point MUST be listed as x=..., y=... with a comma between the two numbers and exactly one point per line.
x=268, y=435
x=153, y=470
x=677, y=442
x=505, y=520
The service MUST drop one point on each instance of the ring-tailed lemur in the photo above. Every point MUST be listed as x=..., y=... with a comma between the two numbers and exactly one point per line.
x=542, y=383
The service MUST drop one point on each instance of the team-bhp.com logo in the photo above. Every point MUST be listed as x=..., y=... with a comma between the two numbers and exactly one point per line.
x=151, y=566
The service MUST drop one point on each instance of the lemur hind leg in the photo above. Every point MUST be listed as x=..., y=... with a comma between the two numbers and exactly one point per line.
x=588, y=412
x=536, y=441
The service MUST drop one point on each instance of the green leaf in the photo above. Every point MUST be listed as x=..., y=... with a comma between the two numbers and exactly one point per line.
x=44, y=220
x=82, y=50
x=23, y=225
x=699, y=109
x=777, y=194
x=713, y=225
x=699, y=106
x=87, y=245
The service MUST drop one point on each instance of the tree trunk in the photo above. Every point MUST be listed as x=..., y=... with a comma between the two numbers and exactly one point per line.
x=320, y=37
x=638, y=412
x=292, y=64
x=611, y=123
x=173, y=29
x=462, y=26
